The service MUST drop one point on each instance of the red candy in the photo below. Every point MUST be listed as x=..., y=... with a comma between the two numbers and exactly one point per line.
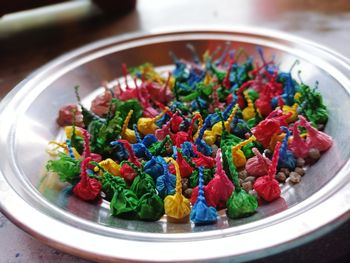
x=126, y=94
x=267, y=186
x=267, y=189
x=265, y=130
x=179, y=138
x=126, y=171
x=162, y=95
x=220, y=188
x=88, y=188
x=185, y=169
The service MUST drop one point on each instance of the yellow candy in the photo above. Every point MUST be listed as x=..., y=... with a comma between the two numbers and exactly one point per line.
x=217, y=129
x=297, y=95
x=176, y=206
x=207, y=79
x=238, y=156
x=248, y=112
x=209, y=137
x=128, y=134
x=110, y=165
x=171, y=83
x=69, y=132
x=148, y=125
x=293, y=109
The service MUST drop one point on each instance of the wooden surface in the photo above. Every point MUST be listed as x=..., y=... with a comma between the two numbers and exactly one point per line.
x=23, y=49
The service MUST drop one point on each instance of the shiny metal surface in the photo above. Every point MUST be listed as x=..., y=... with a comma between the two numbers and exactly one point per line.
x=27, y=118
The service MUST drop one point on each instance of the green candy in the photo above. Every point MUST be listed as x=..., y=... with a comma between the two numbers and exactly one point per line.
x=311, y=105
x=67, y=168
x=104, y=133
x=222, y=93
x=253, y=94
x=88, y=116
x=201, y=90
x=142, y=184
x=150, y=207
x=124, y=203
x=158, y=148
x=109, y=182
x=247, y=150
x=241, y=204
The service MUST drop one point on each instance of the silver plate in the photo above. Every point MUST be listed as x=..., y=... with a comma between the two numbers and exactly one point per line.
x=27, y=117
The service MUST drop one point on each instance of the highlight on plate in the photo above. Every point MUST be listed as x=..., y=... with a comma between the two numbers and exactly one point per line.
x=220, y=131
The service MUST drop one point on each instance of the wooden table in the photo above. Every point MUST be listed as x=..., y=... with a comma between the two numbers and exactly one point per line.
x=28, y=43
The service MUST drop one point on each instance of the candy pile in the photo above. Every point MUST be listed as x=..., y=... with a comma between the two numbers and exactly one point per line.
x=216, y=133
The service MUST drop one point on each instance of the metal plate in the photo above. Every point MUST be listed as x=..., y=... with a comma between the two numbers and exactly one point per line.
x=27, y=117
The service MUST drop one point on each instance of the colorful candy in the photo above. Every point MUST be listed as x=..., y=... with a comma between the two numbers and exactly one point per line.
x=201, y=213
x=222, y=132
x=267, y=186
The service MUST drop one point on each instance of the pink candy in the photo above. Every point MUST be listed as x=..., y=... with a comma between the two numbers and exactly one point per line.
x=316, y=139
x=101, y=103
x=257, y=165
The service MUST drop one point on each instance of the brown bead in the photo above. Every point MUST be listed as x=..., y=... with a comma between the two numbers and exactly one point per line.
x=247, y=186
x=188, y=193
x=281, y=177
x=285, y=171
x=300, y=162
x=250, y=179
x=294, y=177
x=243, y=174
x=314, y=154
x=299, y=171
